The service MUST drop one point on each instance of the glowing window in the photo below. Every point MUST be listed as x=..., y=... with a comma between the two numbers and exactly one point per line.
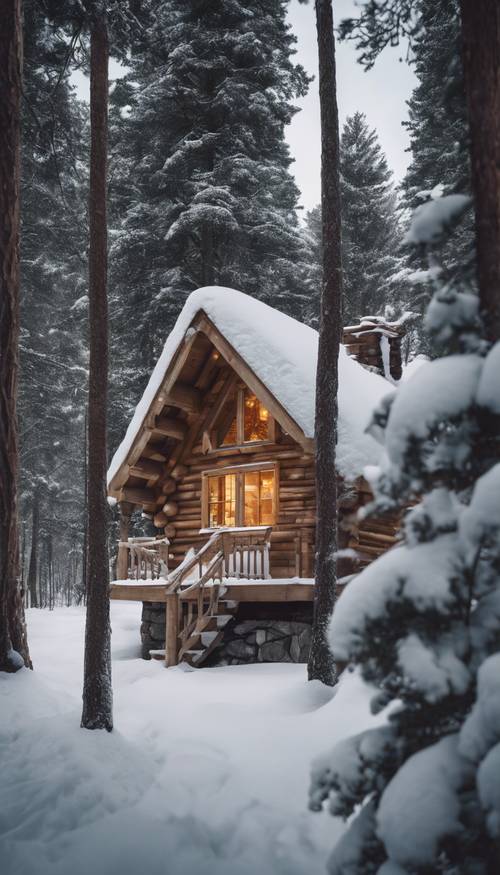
x=222, y=501
x=241, y=498
x=251, y=421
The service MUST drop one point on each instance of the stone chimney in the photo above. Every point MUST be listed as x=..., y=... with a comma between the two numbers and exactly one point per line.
x=376, y=344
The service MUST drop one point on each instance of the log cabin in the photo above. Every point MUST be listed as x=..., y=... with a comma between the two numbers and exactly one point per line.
x=219, y=455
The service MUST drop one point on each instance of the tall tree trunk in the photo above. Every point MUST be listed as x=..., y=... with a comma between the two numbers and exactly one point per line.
x=33, y=563
x=97, y=691
x=12, y=629
x=481, y=59
x=85, y=543
x=321, y=665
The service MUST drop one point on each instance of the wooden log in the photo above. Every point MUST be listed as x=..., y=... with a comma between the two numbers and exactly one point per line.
x=170, y=508
x=168, y=486
x=174, y=428
x=170, y=531
x=178, y=472
x=190, y=525
x=160, y=520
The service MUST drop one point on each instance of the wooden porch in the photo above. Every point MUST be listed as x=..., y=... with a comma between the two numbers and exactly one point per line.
x=202, y=593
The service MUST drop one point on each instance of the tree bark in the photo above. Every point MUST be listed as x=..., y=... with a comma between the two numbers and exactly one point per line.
x=321, y=665
x=33, y=564
x=12, y=628
x=481, y=60
x=97, y=691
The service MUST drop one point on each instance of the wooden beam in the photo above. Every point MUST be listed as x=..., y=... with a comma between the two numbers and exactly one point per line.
x=136, y=495
x=172, y=630
x=147, y=469
x=138, y=592
x=174, y=428
x=126, y=510
x=265, y=592
x=228, y=387
x=185, y=397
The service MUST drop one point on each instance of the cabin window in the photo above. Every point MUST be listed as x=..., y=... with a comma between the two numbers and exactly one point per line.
x=240, y=497
x=258, y=488
x=222, y=501
x=251, y=422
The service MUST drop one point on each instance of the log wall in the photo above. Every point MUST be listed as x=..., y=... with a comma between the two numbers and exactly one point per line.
x=292, y=539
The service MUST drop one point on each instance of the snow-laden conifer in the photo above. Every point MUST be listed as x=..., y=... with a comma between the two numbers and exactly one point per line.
x=423, y=621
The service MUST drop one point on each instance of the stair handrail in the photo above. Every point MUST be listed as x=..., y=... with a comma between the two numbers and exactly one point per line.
x=176, y=578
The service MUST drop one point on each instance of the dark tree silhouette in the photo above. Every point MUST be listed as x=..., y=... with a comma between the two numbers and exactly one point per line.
x=321, y=664
x=97, y=690
x=13, y=640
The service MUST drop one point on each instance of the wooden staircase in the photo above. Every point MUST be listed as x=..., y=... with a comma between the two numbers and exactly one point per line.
x=197, y=612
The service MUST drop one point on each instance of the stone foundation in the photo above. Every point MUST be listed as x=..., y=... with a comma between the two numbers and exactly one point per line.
x=152, y=628
x=260, y=632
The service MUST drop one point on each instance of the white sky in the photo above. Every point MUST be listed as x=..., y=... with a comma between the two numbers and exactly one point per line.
x=381, y=94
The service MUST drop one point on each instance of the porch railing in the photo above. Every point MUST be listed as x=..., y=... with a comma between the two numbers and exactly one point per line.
x=142, y=559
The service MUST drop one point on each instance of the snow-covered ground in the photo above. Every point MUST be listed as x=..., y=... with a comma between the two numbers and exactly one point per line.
x=206, y=771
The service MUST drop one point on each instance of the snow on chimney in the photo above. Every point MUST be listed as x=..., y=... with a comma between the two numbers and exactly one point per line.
x=376, y=344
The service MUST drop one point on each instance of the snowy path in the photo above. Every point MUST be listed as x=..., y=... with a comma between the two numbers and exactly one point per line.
x=206, y=772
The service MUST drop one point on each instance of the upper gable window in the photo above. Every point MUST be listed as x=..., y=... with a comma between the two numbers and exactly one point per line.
x=251, y=421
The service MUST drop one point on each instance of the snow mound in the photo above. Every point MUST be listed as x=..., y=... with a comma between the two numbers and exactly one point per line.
x=205, y=772
x=283, y=354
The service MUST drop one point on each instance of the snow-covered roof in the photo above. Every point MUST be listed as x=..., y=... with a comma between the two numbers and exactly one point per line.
x=282, y=353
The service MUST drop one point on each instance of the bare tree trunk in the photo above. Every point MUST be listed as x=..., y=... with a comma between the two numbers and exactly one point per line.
x=481, y=60
x=97, y=691
x=33, y=563
x=85, y=544
x=50, y=573
x=12, y=627
x=321, y=665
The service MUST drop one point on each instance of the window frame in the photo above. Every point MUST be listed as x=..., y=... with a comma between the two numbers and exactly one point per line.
x=240, y=425
x=239, y=471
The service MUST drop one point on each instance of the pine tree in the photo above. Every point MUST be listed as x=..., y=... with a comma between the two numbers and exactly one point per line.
x=423, y=621
x=371, y=232
x=200, y=170
x=373, y=262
